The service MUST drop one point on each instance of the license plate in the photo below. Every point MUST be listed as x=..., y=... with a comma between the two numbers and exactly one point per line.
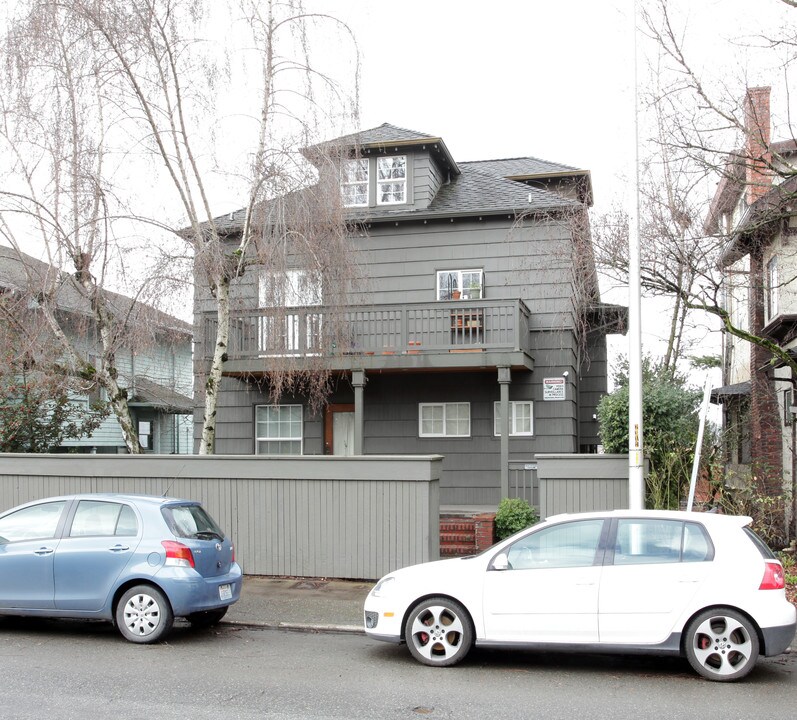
x=225, y=592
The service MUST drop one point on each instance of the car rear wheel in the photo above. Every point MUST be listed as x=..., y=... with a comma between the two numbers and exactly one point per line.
x=439, y=632
x=721, y=645
x=207, y=618
x=143, y=615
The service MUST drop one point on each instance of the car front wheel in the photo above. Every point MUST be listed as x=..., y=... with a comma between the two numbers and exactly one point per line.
x=439, y=632
x=143, y=615
x=721, y=645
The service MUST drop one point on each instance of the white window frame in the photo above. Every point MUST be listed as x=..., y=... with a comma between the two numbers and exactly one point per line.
x=350, y=181
x=279, y=438
x=513, y=418
x=446, y=407
x=391, y=180
x=459, y=277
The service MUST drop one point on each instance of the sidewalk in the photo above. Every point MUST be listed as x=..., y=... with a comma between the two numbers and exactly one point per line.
x=301, y=604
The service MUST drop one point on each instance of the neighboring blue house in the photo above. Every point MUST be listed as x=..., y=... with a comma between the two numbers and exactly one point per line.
x=156, y=368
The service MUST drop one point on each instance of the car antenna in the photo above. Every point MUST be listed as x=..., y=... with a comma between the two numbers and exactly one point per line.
x=179, y=472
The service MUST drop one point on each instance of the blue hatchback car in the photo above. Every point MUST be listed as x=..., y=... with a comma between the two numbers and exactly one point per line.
x=136, y=560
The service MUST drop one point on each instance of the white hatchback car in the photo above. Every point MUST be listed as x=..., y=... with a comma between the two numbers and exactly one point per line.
x=652, y=582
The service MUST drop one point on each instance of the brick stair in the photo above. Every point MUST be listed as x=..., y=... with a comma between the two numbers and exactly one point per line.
x=465, y=534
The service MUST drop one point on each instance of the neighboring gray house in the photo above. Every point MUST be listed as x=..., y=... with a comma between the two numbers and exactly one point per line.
x=481, y=302
x=155, y=367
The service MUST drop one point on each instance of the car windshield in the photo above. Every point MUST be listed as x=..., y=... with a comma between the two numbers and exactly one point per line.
x=191, y=521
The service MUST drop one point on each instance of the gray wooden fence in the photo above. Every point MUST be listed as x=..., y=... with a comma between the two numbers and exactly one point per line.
x=312, y=516
x=581, y=483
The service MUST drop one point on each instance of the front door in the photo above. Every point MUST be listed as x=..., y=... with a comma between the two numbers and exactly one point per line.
x=339, y=430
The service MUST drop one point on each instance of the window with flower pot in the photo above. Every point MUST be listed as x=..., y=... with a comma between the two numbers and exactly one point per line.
x=460, y=284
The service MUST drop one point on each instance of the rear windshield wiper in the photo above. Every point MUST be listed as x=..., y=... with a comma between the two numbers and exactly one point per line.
x=208, y=535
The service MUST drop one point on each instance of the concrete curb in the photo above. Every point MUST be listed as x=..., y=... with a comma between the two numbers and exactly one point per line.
x=297, y=627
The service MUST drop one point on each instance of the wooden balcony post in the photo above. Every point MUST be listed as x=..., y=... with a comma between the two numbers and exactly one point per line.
x=358, y=381
x=504, y=379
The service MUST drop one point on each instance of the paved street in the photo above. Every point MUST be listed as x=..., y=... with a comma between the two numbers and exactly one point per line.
x=77, y=670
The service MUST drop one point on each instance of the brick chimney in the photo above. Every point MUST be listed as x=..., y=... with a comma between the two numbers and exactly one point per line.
x=756, y=156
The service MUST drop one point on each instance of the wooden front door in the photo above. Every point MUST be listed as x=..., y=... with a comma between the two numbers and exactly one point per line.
x=339, y=429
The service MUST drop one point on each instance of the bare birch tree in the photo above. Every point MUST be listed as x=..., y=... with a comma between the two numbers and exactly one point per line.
x=157, y=68
x=56, y=197
x=292, y=214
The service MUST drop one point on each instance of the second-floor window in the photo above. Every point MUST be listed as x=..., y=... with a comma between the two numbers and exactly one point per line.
x=354, y=182
x=391, y=180
x=280, y=333
x=460, y=284
x=772, y=288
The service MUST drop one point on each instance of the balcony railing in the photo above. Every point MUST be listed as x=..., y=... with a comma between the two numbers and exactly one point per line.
x=411, y=328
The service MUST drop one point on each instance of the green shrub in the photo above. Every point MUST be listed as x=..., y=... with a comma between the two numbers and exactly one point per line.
x=513, y=515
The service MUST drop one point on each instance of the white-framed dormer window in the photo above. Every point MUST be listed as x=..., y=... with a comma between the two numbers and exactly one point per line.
x=444, y=419
x=460, y=284
x=521, y=418
x=354, y=182
x=391, y=180
x=773, y=286
x=278, y=430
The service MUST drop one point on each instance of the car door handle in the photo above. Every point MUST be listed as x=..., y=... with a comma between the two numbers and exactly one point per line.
x=119, y=548
x=44, y=551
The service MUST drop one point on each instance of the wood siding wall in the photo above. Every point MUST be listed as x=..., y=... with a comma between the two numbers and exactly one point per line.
x=356, y=518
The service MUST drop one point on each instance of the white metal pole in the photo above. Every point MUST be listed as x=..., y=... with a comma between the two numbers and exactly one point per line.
x=699, y=445
x=636, y=478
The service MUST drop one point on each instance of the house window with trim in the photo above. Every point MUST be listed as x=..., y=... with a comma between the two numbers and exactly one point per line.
x=772, y=288
x=278, y=430
x=444, y=419
x=354, y=182
x=521, y=418
x=391, y=180
x=460, y=284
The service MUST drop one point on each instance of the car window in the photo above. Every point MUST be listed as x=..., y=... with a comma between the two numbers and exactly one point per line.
x=99, y=518
x=32, y=523
x=657, y=540
x=572, y=544
x=191, y=521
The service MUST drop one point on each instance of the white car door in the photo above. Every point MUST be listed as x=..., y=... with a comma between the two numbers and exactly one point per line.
x=658, y=567
x=549, y=591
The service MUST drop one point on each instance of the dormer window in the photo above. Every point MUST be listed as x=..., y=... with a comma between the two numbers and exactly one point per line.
x=391, y=180
x=354, y=183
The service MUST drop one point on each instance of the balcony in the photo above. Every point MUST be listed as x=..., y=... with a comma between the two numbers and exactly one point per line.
x=424, y=336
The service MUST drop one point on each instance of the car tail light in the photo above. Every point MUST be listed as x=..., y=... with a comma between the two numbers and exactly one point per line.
x=178, y=554
x=232, y=550
x=774, y=577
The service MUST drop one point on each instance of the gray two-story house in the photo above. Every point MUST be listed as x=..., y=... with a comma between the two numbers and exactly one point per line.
x=480, y=302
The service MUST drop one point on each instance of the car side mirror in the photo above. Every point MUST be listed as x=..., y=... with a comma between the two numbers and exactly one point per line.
x=500, y=562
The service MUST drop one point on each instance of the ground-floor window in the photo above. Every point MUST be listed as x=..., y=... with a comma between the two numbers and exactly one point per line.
x=444, y=419
x=278, y=430
x=521, y=418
